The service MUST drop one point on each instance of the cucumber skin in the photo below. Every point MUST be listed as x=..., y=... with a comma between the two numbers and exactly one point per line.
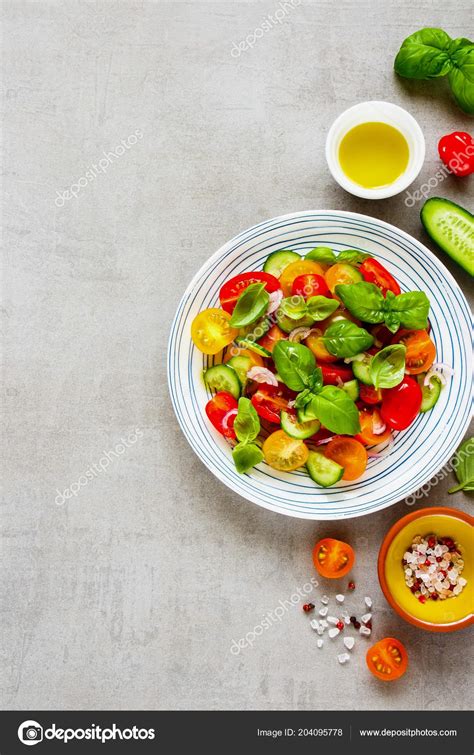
x=323, y=479
x=246, y=343
x=241, y=365
x=361, y=371
x=427, y=401
x=234, y=388
x=430, y=211
x=351, y=387
x=294, y=433
x=271, y=265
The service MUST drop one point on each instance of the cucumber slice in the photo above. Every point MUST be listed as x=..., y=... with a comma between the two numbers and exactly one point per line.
x=352, y=389
x=241, y=365
x=323, y=471
x=295, y=429
x=429, y=393
x=361, y=369
x=305, y=415
x=247, y=343
x=452, y=228
x=221, y=377
x=287, y=324
x=277, y=261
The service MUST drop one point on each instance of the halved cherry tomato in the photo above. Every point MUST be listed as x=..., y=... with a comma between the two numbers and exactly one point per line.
x=350, y=454
x=284, y=453
x=292, y=271
x=333, y=558
x=315, y=342
x=232, y=289
x=269, y=403
x=334, y=374
x=211, y=331
x=387, y=659
x=382, y=334
x=400, y=405
x=341, y=272
x=310, y=285
x=369, y=394
x=373, y=272
x=218, y=408
x=421, y=351
x=369, y=421
x=235, y=351
x=322, y=434
x=274, y=335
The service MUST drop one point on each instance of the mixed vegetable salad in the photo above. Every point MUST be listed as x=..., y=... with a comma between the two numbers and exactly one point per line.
x=322, y=359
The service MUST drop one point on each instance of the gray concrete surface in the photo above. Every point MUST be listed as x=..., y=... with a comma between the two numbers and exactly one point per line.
x=129, y=594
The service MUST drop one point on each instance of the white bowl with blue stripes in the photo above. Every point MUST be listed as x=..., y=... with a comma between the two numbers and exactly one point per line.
x=417, y=454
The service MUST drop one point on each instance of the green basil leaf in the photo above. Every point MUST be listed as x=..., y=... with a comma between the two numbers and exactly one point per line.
x=392, y=322
x=293, y=307
x=251, y=304
x=424, y=55
x=247, y=422
x=364, y=300
x=315, y=380
x=246, y=456
x=321, y=254
x=295, y=363
x=320, y=307
x=461, y=75
x=344, y=338
x=387, y=367
x=411, y=309
x=336, y=411
x=303, y=398
x=352, y=256
x=464, y=467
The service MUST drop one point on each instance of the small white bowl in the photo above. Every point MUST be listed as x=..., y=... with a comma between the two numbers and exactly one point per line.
x=384, y=112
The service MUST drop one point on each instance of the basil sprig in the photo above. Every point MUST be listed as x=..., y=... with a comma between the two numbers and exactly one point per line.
x=344, y=339
x=326, y=255
x=387, y=367
x=332, y=406
x=251, y=304
x=366, y=302
x=464, y=468
x=246, y=453
x=316, y=307
x=430, y=53
x=352, y=256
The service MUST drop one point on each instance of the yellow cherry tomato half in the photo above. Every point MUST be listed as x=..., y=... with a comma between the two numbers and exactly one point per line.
x=341, y=273
x=284, y=453
x=211, y=331
x=315, y=342
x=292, y=271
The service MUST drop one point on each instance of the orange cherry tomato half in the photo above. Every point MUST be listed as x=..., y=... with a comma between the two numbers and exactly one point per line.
x=315, y=342
x=421, y=351
x=333, y=558
x=274, y=335
x=350, y=454
x=368, y=421
x=295, y=269
x=284, y=453
x=387, y=659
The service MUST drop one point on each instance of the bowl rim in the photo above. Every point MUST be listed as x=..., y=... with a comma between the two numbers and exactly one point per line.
x=387, y=541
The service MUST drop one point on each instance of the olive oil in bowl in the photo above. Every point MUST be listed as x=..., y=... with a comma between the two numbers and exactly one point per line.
x=373, y=154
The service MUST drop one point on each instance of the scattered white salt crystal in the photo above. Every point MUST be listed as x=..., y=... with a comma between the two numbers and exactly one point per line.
x=320, y=630
x=333, y=632
x=365, y=618
x=349, y=642
x=320, y=643
x=365, y=631
x=343, y=658
x=332, y=620
x=340, y=598
x=314, y=624
x=323, y=611
x=368, y=602
x=325, y=600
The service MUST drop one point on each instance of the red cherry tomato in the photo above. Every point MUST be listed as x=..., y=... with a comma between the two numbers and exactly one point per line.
x=373, y=272
x=269, y=403
x=382, y=334
x=370, y=395
x=457, y=152
x=400, y=405
x=310, y=285
x=232, y=289
x=333, y=374
x=217, y=408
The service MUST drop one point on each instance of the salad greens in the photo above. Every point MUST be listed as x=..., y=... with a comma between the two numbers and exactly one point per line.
x=345, y=339
x=295, y=363
x=316, y=307
x=387, y=367
x=251, y=304
x=246, y=453
x=464, y=468
x=430, y=53
x=335, y=410
x=366, y=302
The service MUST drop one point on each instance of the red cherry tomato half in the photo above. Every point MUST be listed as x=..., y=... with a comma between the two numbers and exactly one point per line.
x=333, y=374
x=373, y=272
x=370, y=395
x=382, y=334
x=217, y=410
x=310, y=285
x=269, y=403
x=457, y=152
x=274, y=335
x=232, y=289
x=400, y=405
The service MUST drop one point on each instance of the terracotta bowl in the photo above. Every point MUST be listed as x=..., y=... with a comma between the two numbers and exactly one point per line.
x=435, y=616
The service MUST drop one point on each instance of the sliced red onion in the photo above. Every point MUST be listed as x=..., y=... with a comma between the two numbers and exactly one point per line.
x=385, y=451
x=339, y=381
x=228, y=416
x=291, y=403
x=378, y=426
x=324, y=440
x=299, y=334
x=262, y=375
x=275, y=301
x=437, y=370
